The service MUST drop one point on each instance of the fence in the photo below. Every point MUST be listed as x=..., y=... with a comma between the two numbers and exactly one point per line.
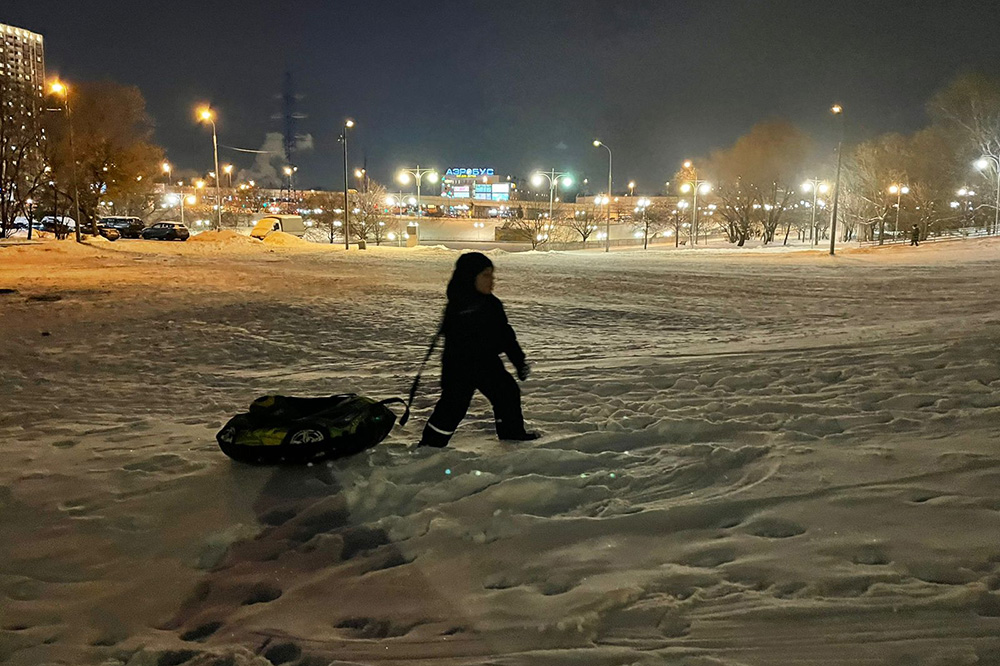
x=903, y=238
x=599, y=244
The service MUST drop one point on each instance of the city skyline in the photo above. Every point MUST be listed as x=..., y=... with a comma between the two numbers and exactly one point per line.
x=515, y=86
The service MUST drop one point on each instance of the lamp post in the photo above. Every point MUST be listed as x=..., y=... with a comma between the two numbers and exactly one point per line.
x=696, y=186
x=899, y=191
x=607, y=231
x=982, y=163
x=167, y=168
x=817, y=187
x=418, y=175
x=838, y=111
x=631, y=188
x=228, y=170
x=362, y=175
x=206, y=115
x=289, y=172
x=966, y=206
x=62, y=90
x=348, y=124
x=553, y=177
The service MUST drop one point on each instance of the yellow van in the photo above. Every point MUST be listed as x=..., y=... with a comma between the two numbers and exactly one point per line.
x=290, y=224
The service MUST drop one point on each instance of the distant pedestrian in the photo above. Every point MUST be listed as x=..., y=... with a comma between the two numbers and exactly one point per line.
x=476, y=332
x=914, y=235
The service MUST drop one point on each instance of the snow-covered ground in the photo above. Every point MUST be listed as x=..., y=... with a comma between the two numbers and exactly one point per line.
x=750, y=457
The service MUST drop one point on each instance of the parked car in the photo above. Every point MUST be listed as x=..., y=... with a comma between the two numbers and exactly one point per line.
x=127, y=227
x=55, y=224
x=166, y=231
x=290, y=224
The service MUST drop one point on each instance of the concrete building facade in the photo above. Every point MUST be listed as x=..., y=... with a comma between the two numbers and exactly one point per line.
x=22, y=57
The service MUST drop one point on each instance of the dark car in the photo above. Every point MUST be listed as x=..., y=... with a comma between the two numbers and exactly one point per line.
x=166, y=231
x=127, y=227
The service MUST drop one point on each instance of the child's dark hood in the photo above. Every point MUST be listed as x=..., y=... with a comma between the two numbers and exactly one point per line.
x=462, y=286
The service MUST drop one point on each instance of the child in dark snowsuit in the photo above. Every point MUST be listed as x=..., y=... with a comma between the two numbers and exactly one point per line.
x=476, y=332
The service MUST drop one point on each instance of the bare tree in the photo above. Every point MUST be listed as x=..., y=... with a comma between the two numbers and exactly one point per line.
x=649, y=221
x=738, y=210
x=533, y=227
x=675, y=222
x=369, y=219
x=583, y=222
x=115, y=157
x=761, y=170
x=326, y=209
x=969, y=110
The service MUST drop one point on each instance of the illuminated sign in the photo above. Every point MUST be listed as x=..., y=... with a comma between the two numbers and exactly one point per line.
x=469, y=173
x=458, y=192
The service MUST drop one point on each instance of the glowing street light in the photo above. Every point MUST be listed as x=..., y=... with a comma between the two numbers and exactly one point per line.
x=60, y=89
x=207, y=115
x=696, y=187
x=554, y=178
x=417, y=174
x=982, y=164
x=180, y=199
x=817, y=187
x=607, y=233
x=228, y=170
x=838, y=111
x=348, y=124
x=290, y=172
x=899, y=191
x=631, y=188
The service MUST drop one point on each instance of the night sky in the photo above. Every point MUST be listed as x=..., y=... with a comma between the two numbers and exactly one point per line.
x=515, y=85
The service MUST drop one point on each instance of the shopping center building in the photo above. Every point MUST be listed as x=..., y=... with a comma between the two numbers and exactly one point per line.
x=477, y=184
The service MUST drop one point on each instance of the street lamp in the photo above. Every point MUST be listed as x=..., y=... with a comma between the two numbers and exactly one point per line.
x=181, y=199
x=982, y=164
x=553, y=177
x=899, y=191
x=62, y=90
x=166, y=170
x=817, y=187
x=228, y=170
x=348, y=124
x=607, y=233
x=207, y=115
x=838, y=111
x=631, y=188
x=696, y=186
x=289, y=172
x=966, y=207
x=417, y=174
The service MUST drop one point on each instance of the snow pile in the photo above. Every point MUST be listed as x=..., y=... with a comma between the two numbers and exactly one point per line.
x=223, y=237
x=746, y=461
x=284, y=239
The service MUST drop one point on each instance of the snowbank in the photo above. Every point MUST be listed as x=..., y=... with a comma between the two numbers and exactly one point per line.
x=748, y=459
x=284, y=239
x=223, y=236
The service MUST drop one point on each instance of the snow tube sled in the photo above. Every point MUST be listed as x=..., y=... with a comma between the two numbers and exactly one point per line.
x=280, y=430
